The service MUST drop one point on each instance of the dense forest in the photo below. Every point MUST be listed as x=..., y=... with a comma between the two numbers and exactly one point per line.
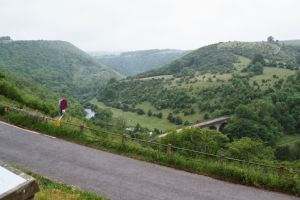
x=57, y=65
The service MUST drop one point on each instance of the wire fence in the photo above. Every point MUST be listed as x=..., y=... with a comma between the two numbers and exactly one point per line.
x=168, y=147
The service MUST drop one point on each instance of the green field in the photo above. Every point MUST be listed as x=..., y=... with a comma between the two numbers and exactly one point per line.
x=132, y=118
x=288, y=140
x=268, y=75
x=144, y=120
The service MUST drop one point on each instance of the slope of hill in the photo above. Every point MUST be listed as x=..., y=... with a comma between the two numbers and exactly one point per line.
x=291, y=42
x=25, y=92
x=134, y=62
x=213, y=81
x=57, y=65
x=221, y=57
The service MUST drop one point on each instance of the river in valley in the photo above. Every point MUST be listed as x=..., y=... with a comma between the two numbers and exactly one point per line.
x=89, y=113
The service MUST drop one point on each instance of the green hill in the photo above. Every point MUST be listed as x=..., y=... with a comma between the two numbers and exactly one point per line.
x=57, y=65
x=291, y=42
x=221, y=57
x=135, y=62
x=25, y=92
x=220, y=79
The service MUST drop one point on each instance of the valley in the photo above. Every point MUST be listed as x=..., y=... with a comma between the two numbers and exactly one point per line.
x=166, y=100
x=255, y=84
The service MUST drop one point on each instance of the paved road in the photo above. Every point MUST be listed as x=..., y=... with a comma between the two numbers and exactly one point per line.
x=115, y=176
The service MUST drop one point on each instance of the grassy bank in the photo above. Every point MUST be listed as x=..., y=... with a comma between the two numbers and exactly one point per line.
x=51, y=190
x=230, y=171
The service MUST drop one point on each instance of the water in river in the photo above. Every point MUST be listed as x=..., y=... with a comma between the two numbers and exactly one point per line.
x=89, y=113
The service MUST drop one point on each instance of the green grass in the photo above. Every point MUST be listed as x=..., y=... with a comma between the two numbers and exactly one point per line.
x=244, y=62
x=288, y=140
x=149, y=122
x=230, y=171
x=51, y=190
x=191, y=118
x=133, y=118
x=268, y=75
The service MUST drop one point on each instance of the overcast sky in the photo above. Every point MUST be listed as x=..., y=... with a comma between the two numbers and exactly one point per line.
x=120, y=25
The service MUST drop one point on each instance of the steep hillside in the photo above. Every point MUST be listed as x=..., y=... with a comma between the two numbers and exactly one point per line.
x=221, y=57
x=25, y=92
x=57, y=65
x=135, y=62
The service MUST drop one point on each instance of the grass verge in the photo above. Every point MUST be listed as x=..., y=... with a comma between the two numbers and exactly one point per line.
x=51, y=190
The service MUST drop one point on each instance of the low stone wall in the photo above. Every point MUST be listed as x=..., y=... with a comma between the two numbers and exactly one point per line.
x=16, y=185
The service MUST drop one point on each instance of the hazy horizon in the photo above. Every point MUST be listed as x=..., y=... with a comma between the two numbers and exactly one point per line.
x=143, y=24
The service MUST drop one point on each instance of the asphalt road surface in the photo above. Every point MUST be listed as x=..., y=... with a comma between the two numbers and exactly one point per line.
x=114, y=176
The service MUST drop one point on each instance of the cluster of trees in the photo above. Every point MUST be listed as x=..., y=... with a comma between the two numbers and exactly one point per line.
x=174, y=119
x=158, y=115
x=211, y=141
x=103, y=117
x=128, y=93
x=257, y=65
x=223, y=99
x=288, y=152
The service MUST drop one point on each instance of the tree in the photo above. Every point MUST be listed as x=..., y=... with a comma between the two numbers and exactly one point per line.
x=103, y=116
x=178, y=120
x=198, y=139
x=140, y=111
x=149, y=113
x=257, y=68
x=248, y=149
x=186, y=123
x=270, y=39
x=170, y=117
x=160, y=115
x=206, y=116
x=258, y=58
x=283, y=153
x=137, y=127
x=2, y=76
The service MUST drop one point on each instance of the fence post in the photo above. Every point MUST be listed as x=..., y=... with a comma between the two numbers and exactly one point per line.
x=5, y=109
x=81, y=128
x=280, y=170
x=221, y=159
x=123, y=139
x=58, y=123
x=169, y=149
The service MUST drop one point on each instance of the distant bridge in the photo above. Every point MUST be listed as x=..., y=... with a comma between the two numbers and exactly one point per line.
x=216, y=124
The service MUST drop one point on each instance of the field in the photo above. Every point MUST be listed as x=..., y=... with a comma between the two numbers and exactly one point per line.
x=288, y=140
x=132, y=118
x=144, y=120
x=268, y=75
